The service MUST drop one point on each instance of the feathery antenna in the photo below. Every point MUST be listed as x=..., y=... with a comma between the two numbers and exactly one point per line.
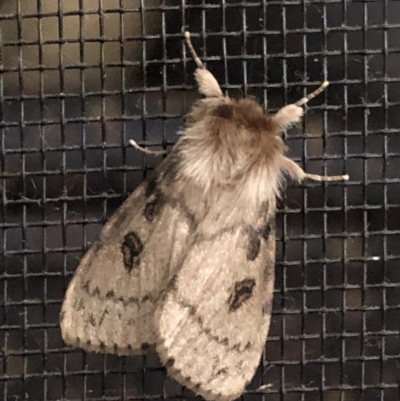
x=191, y=48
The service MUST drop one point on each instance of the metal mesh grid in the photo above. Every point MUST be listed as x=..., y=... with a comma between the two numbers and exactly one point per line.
x=80, y=78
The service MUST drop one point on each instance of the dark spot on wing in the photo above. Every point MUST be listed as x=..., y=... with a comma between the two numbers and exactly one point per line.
x=103, y=316
x=131, y=300
x=144, y=299
x=79, y=305
x=170, y=362
x=222, y=371
x=265, y=230
x=91, y=320
x=131, y=249
x=145, y=346
x=243, y=291
x=153, y=208
x=236, y=347
x=173, y=282
x=253, y=249
x=85, y=286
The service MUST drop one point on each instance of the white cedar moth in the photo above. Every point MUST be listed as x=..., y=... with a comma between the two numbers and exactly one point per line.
x=186, y=264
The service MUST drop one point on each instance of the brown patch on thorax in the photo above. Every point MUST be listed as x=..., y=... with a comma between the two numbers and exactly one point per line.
x=248, y=114
x=237, y=128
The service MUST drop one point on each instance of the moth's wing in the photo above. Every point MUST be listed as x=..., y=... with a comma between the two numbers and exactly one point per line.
x=110, y=302
x=213, y=321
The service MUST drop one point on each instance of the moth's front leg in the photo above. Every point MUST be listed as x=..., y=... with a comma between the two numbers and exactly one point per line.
x=288, y=115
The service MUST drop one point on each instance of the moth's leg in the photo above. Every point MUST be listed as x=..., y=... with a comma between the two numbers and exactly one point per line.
x=292, y=113
x=147, y=151
x=298, y=174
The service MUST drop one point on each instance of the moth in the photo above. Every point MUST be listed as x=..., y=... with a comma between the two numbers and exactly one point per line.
x=187, y=262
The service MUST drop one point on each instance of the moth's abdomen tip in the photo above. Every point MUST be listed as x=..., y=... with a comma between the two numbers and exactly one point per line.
x=346, y=177
x=187, y=35
x=324, y=84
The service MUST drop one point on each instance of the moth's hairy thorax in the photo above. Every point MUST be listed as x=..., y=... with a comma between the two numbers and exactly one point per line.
x=231, y=148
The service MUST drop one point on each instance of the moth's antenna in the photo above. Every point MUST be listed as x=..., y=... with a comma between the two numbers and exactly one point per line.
x=312, y=95
x=208, y=85
x=196, y=58
x=147, y=151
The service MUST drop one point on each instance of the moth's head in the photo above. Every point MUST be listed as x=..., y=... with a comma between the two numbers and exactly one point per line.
x=246, y=113
x=235, y=126
x=228, y=141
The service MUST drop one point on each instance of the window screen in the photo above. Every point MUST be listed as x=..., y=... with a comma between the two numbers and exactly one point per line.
x=80, y=78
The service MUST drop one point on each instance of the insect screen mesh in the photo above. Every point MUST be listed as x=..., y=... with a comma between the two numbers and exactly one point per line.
x=81, y=78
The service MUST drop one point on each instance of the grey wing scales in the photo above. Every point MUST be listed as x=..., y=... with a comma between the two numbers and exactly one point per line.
x=110, y=302
x=213, y=321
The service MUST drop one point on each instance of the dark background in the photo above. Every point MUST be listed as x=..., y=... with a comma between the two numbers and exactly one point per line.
x=82, y=77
